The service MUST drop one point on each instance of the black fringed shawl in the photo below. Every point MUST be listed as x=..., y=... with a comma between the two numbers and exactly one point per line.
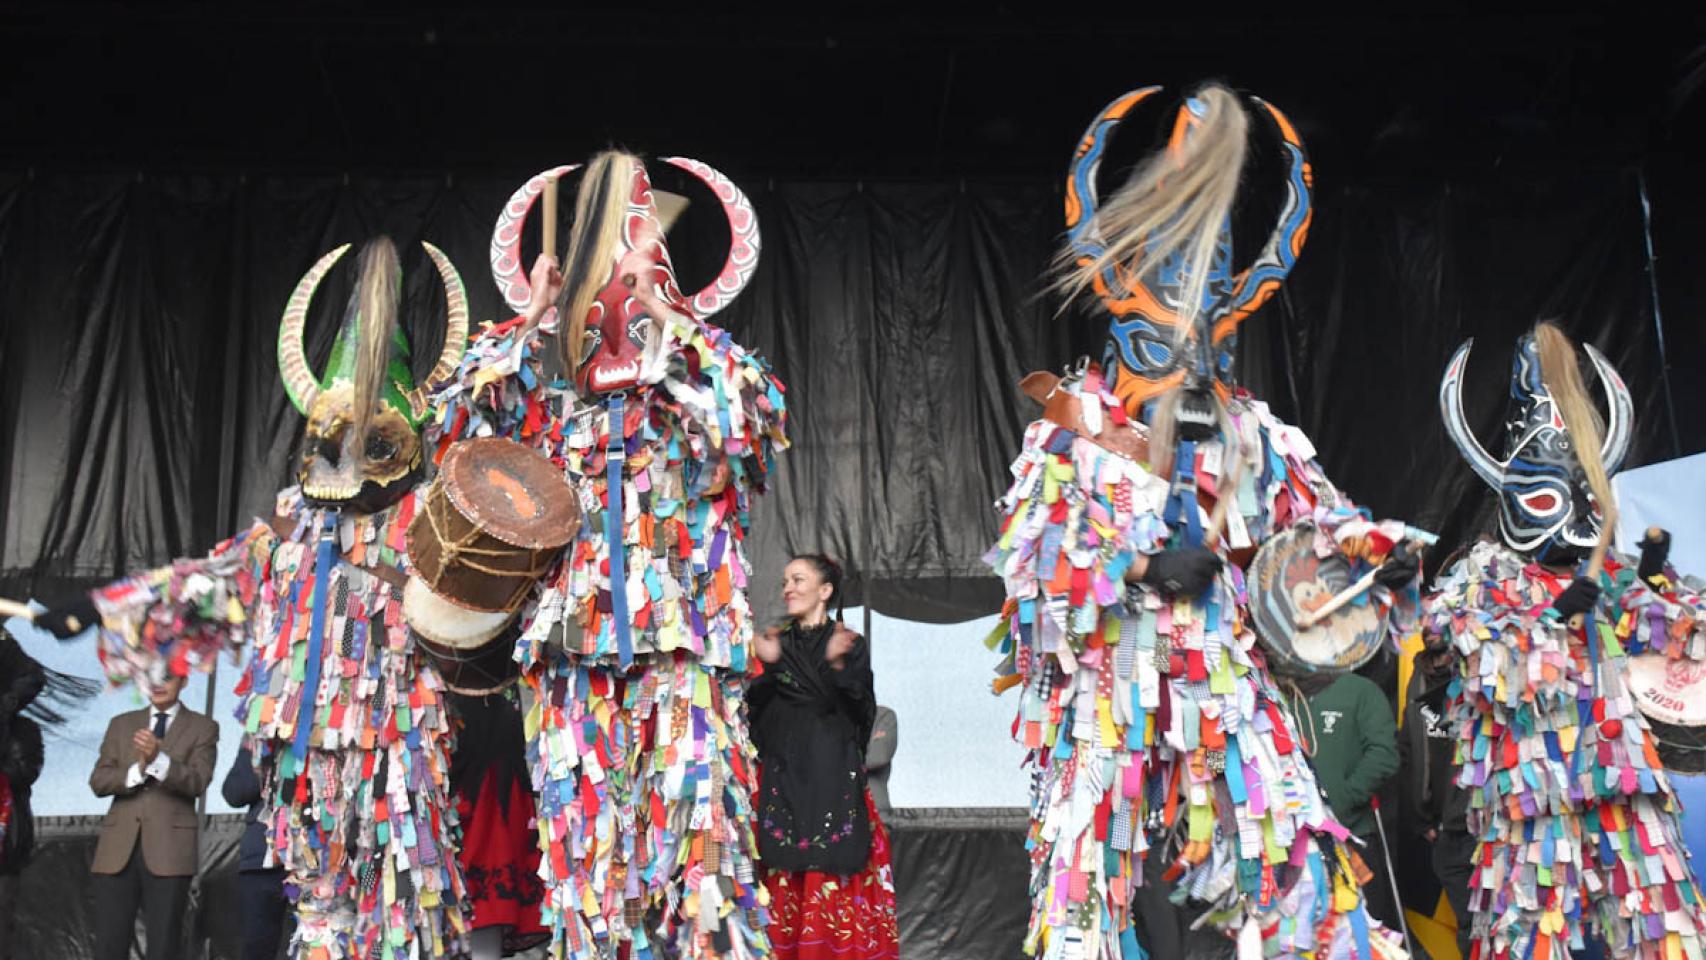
x=811, y=723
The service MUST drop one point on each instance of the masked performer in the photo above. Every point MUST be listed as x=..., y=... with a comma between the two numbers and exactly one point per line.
x=635, y=652
x=1575, y=816
x=1159, y=738
x=349, y=726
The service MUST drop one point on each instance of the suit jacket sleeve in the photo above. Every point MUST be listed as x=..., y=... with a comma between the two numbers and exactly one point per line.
x=883, y=740
x=116, y=757
x=190, y=774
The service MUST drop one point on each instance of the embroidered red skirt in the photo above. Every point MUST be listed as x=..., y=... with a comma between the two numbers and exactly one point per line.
x=823, y=916
x=500, y=861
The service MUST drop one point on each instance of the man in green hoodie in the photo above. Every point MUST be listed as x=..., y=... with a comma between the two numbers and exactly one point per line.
x=1348, y=732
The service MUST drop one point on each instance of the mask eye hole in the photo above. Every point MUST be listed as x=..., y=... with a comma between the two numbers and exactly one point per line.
x=379, y=448
x=1541, y=502
x=629, y=280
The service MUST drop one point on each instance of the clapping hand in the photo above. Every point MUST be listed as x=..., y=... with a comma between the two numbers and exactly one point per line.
x=147, y=746
x=840, y=645
x=768, y=645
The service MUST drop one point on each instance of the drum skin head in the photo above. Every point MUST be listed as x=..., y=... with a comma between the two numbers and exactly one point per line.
x=1286, y=581
x=492, y=523
x=1670, y=691
x=448, y=623
x=513, y=493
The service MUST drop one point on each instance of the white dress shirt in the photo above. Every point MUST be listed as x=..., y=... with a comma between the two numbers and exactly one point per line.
x=161, y=763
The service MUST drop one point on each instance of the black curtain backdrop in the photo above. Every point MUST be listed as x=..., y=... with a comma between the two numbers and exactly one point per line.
x=141, y=416
x=958, y=874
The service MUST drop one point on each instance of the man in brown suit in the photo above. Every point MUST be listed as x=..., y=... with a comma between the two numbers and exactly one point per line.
x=154, y=763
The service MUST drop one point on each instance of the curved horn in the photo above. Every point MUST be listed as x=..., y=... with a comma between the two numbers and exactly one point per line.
x=455, y=329
x=743, y=239
x=1261, y=279
x=1451, y=410
x=300, y=384
x=1081, y=196
x=508, y=272
x=1620, y=428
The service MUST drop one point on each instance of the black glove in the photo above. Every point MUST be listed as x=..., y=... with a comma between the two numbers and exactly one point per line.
x=1399, y=569
x=1186, y=571
x=1579, y=597
x=70, y=618
x=1655, y=551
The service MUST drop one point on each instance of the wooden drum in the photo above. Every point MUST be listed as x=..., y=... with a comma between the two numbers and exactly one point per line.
x=492, y=524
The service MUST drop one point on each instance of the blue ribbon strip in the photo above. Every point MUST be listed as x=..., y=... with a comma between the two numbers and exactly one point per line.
x=615, y=451
x=1182, y=502
x=328, y=552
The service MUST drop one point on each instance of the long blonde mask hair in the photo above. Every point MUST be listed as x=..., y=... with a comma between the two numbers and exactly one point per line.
x=1175, y=202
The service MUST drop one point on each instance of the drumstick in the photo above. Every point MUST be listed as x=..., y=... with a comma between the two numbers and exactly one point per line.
x=549, y=225
x=1339, y=599
x=1420, y=537
x=1596, y=560
x=12, y=608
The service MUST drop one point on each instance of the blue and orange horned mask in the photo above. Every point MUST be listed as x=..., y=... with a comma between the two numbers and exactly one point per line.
x=1156, y=343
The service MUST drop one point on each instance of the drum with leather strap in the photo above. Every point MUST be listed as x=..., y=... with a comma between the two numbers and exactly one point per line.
x=1290, y=590
x=493, y=522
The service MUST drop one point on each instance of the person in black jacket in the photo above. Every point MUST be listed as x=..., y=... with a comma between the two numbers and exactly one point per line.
x=821, y=841
x=1435, y=807
x=20, y=765
x=26, y=691
x=260, y=888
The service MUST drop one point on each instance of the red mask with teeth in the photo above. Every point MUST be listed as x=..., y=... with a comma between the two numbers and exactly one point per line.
x=626, y=322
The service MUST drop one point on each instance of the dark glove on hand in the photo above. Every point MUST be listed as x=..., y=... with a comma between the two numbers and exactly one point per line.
x=1186, y=571
x=1655, y=551
x=1579, y=597
x=70, y=618
x=1400, y=568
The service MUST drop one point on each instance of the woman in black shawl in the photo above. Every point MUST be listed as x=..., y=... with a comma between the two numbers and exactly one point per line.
x=30, y=695
x=824, y=851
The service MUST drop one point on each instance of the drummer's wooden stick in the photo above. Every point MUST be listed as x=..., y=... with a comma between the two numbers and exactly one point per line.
x=1353, y=591
x=12, y=608
x=1596, y=560
x=1339, y=599
x=549, y=225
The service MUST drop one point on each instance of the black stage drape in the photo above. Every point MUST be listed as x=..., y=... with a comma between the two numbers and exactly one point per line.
x=959, y=875
x=141, y=416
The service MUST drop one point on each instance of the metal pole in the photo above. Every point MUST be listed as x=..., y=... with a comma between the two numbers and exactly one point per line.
x=1658, y=319
x=1392, y=877
x=207, y=709
x=868, y=482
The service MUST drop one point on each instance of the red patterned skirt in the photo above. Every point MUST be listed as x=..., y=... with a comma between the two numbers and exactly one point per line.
x=500, y=860
x=824, y=916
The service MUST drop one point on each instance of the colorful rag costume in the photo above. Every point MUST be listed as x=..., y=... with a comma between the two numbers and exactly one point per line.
x=665, y=426
x=348, y=723
x=1578, y=828
x=1154, y=726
